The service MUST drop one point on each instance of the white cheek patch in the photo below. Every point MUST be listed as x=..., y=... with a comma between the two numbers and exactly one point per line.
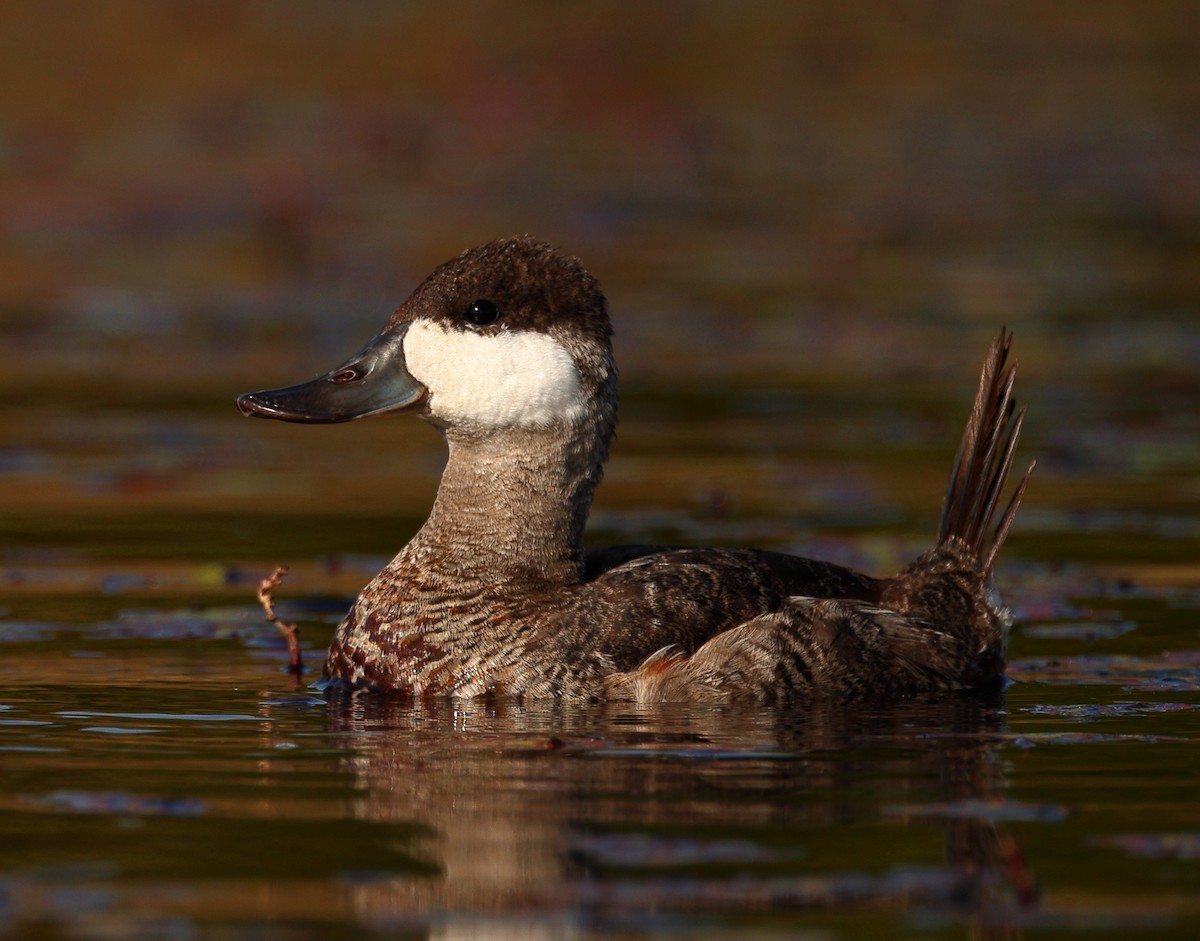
x=519, y=379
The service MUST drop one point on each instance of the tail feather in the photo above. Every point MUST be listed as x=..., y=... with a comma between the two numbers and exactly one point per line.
x=1006, y=519
x=984, y=459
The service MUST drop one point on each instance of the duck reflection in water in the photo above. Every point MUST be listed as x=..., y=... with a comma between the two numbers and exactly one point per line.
x=544, y=819
x=506, y=350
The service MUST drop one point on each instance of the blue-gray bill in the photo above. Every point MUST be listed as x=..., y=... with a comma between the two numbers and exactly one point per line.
x=373, y=381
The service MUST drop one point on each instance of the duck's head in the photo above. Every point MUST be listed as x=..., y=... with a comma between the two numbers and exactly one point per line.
x=509, y=335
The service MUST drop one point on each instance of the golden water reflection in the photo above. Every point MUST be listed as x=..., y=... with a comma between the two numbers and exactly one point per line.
x=534, y=812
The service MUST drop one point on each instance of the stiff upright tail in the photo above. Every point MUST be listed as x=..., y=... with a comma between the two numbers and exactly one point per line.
x=984, y=459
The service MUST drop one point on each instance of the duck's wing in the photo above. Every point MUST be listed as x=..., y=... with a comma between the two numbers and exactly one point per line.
x=685, y=597
x=814, y=646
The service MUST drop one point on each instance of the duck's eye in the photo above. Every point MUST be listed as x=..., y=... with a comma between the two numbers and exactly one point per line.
x=481, y=313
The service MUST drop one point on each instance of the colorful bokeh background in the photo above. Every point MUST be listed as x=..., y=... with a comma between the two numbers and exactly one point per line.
x=199, y=198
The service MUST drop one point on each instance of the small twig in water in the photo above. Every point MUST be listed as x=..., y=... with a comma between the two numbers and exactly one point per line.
x=290, y=631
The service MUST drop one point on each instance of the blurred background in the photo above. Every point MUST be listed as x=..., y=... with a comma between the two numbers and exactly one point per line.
x=809, y=220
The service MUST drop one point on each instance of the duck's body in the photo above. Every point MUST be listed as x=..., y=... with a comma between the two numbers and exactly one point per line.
x=506, y=350
x=471, y=636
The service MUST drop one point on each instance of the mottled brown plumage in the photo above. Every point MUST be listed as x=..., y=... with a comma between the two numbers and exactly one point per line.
x=494, y=594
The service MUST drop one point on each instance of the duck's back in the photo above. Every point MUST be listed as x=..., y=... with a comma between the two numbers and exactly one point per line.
x=639, y=599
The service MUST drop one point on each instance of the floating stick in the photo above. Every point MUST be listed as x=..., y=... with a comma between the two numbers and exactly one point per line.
x=290, y=631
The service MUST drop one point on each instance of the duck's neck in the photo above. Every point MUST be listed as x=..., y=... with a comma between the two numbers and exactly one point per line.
x=510, y=508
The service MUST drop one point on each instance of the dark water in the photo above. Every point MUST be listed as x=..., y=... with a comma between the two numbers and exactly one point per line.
x=181, y=787
x=164, y=777
x=809, y=223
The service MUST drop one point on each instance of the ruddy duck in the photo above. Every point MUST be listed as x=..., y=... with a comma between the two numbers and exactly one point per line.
x=507, y=351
